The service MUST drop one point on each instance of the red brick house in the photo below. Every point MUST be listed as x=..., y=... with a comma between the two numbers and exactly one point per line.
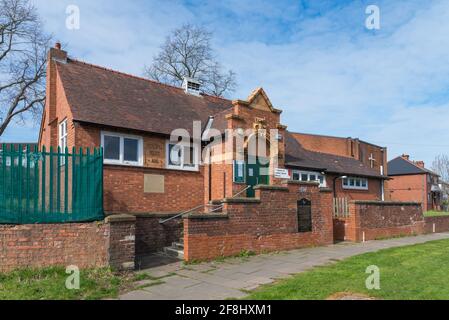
x=132, y=119
x=411, y=181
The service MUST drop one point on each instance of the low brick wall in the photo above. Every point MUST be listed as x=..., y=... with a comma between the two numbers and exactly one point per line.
x=370, y=220
x=436, y=224
x=151, y=236
x=94, y=244
x=267, y=223
x=121, y=241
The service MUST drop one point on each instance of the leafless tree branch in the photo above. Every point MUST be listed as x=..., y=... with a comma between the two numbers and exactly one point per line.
x=23, y=57
x=441, y=166
x=187, y=52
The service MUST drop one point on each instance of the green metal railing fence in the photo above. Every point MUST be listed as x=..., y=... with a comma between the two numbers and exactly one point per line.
x=50, y=187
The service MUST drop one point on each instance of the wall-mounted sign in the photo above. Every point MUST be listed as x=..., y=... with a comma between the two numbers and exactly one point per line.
x=281, y=173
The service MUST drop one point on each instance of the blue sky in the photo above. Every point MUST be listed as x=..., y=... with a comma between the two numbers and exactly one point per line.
x=315, y=59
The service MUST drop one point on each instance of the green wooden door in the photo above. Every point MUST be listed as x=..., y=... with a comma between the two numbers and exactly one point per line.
x=256, y=173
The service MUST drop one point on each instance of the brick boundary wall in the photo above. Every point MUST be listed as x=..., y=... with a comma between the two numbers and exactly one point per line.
x=266, y=223
x=151, y=236
x=92, y=244
x=121, y=241
x=371, y=220
x=441, y=224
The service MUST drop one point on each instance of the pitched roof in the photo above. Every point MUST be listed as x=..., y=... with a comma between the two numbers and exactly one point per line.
x=126, y=101
x=400, y=166
x=297, y=156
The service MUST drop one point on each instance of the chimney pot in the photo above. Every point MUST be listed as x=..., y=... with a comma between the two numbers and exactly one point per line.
x=58, y=45
x=420, y=164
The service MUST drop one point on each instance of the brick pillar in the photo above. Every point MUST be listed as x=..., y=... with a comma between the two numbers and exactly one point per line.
x=352, y=226
x=122, y=238
x=326, y=206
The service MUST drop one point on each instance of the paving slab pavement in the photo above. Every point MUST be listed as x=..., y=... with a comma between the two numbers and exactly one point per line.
x=232, y=278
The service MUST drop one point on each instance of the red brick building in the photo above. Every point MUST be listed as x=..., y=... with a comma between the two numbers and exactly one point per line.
x=411, y=181
x=133, y=118
x=354, y=169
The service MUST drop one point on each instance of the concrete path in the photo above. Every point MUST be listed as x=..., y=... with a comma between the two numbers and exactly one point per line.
x=233, y=278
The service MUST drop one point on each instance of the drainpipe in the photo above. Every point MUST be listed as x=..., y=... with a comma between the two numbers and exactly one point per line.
x=382, y=184
x=334, y=180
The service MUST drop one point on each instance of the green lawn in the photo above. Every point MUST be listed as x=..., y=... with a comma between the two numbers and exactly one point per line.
x=412, y=272
x=436, y=213
x=49, y=283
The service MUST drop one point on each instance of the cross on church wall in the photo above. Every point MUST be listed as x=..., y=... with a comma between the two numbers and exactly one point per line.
x=371, y=160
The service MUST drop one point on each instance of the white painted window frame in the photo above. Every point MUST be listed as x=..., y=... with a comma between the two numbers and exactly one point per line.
x=122, y=137
x=62, y=138
x=63, y=135
x=309, y=173
x=348, y=187
x=181, y=167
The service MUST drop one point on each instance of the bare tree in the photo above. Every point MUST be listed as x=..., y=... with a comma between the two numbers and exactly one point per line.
x=23, y=55
x=441, y=166
x=187, y=52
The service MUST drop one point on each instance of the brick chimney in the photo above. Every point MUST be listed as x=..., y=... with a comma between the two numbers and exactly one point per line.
x=420, y=164
x=55, y=55
x=405, y=156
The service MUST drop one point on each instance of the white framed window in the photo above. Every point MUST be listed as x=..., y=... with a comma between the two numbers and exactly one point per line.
x=309, y=176
x=62, y=139
x=122, y=149
x=355, y=183
x=182, y=156
x=63, y=135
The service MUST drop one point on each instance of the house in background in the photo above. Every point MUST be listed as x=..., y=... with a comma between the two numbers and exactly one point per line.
x=132, y=119
x=445, y=195
x=411, y=181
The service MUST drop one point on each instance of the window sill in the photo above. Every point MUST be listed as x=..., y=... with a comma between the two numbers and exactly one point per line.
x=196, y=169
x=111, y=163
x=356, y=189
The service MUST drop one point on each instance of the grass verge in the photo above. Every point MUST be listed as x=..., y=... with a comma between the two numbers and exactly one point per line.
x=436, y=213
x=406, y=273
x=49, y=284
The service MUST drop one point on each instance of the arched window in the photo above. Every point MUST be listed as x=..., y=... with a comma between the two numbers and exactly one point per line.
x=304, y=215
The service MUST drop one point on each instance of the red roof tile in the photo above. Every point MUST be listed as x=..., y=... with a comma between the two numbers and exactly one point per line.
x=106, y=97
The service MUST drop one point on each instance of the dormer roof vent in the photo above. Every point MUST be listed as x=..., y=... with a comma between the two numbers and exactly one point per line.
x=191, y=86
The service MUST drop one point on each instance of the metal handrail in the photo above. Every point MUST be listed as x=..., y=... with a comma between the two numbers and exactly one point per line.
x=240, y=192
x=202, y=206
x=186, y=212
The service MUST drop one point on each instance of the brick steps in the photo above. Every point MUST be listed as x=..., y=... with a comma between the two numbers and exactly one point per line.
x=176, y=250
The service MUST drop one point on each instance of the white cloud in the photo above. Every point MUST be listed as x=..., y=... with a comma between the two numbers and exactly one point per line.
x=315, y=59
x=382, y=87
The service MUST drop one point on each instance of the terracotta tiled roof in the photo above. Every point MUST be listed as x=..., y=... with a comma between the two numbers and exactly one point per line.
x=297, y=156
x=106, y=97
